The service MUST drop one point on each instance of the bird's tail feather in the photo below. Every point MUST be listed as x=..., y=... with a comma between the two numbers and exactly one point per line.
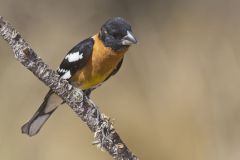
x=49, y=105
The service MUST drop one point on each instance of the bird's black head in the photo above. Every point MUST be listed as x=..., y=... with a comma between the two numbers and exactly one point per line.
x=117, y=34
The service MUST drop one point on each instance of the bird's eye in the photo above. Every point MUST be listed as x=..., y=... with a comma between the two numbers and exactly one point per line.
x=105, y=31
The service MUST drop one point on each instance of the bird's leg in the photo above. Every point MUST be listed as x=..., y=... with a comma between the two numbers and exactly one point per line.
x=87, y=92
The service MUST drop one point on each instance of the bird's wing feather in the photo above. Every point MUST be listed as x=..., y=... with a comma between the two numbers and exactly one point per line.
x=76, y=59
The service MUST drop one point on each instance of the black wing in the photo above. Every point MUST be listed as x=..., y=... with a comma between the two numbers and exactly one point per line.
x=115, y=70
x=76, y=58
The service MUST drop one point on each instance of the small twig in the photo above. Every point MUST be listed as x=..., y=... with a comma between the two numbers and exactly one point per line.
x=105, y=135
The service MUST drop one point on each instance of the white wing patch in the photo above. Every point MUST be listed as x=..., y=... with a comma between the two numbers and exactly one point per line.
x=61, y=70
x=66, y=75
x=73, y=57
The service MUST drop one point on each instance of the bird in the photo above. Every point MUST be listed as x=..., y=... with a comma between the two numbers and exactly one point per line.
x=87, y=65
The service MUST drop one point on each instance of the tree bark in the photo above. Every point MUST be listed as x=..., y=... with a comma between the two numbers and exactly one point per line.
x=105, y=135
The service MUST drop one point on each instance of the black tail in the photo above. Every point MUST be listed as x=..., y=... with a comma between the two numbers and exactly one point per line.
x=49, y=105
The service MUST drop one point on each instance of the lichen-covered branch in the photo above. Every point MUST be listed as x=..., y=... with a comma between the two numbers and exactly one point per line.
x=105, y=135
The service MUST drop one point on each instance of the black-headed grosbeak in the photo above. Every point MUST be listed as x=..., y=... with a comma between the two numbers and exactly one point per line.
x=87, y=65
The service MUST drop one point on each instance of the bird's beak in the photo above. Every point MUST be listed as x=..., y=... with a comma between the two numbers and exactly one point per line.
x=129, y=39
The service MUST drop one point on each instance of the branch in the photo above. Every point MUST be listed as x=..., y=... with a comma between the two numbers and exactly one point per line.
x=104, y=134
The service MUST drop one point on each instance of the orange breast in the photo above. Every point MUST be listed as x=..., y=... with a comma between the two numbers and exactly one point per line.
x=99, y=67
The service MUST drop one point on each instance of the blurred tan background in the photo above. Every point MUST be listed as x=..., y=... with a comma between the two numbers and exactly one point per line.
x=177, y=96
